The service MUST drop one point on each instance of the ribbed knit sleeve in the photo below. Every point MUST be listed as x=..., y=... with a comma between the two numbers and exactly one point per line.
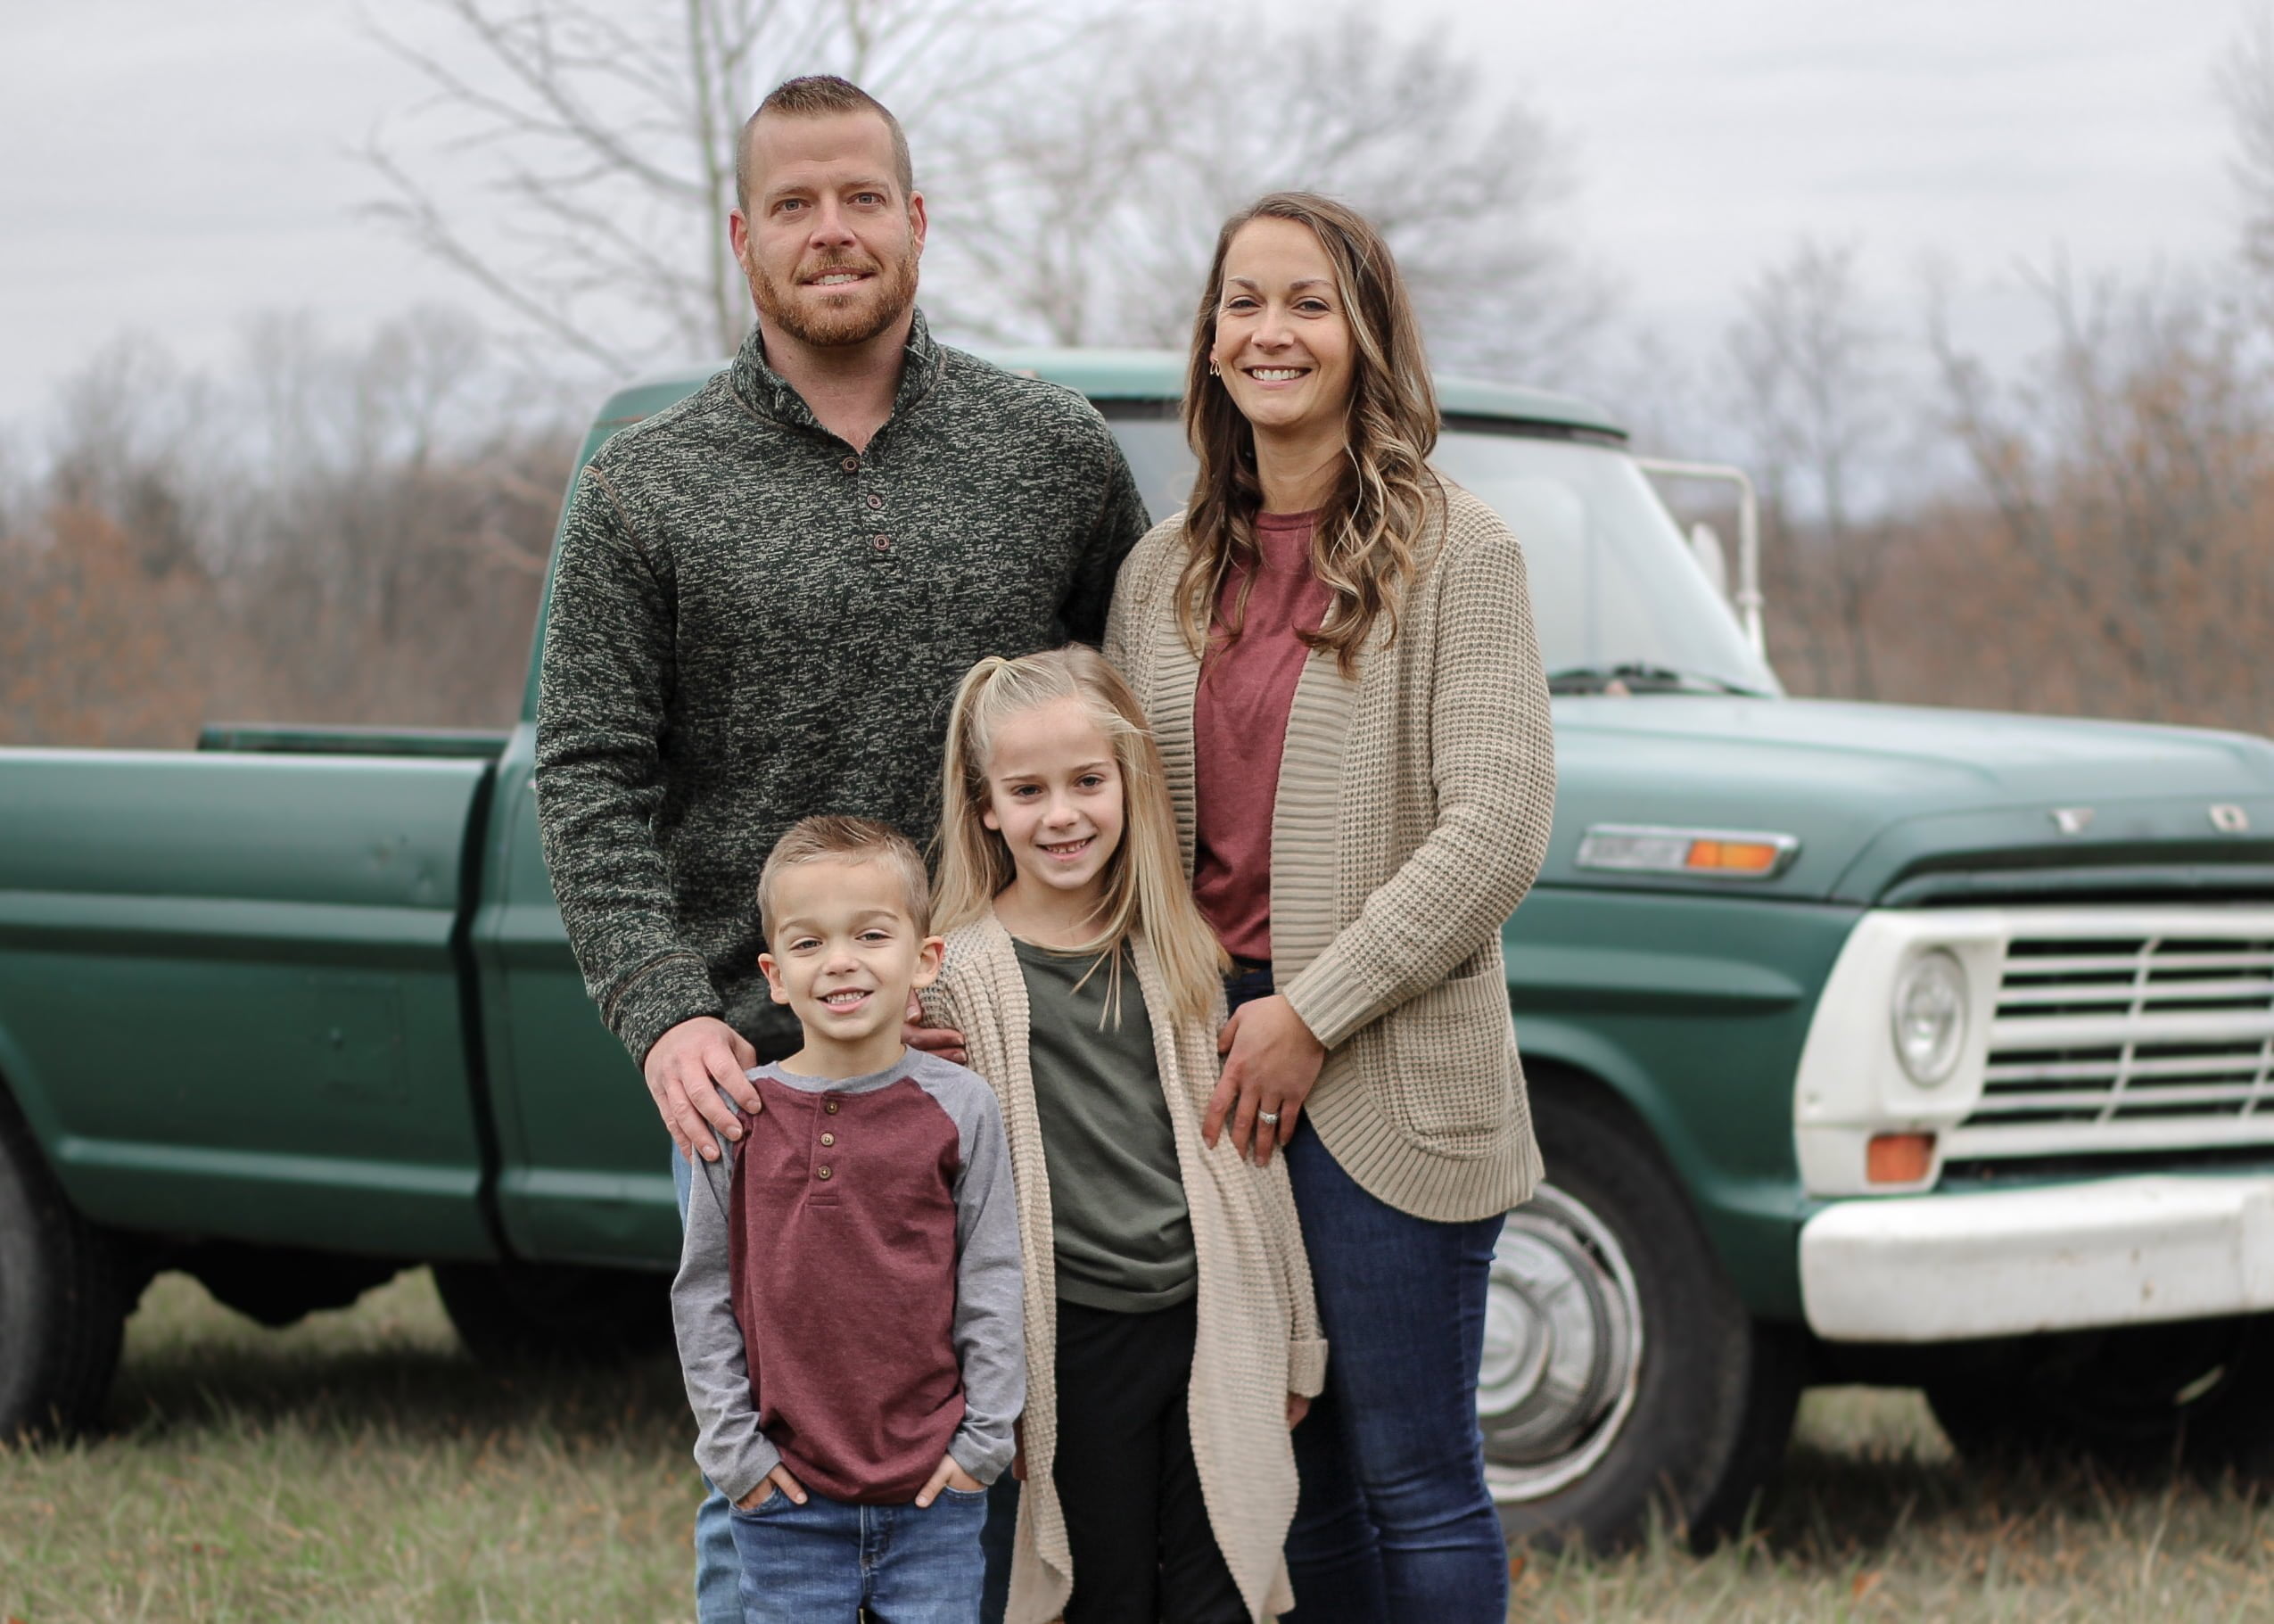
x=603, y=686
x=1306, y=1347
x=1492, y=749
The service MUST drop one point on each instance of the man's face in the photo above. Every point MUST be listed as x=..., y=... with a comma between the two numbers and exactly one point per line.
x=841, y=951
x=829, y=243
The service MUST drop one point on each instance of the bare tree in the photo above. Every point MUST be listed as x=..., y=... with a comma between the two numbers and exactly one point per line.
x=1090, y=217
x=1079, y=161
x=2130, y=468
x=2245, y=82
x=1813, y=387
x=605, y=135
x=332, y=532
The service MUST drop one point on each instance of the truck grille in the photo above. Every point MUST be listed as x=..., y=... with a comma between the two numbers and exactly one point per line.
x=2119, y=1041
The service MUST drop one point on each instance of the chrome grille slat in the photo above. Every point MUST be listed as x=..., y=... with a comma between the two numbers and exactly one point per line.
x=2194, y=1065
x=2035, y=968
x=2123, y=1031
x=2096, y=1100
x=2122, y=992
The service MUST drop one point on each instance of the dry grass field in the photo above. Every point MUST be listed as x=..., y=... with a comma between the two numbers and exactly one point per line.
x=358, y=1468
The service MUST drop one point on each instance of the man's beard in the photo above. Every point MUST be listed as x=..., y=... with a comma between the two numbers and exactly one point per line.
x=850, y=317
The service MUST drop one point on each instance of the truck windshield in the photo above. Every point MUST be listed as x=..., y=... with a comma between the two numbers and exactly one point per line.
x=1616, y=593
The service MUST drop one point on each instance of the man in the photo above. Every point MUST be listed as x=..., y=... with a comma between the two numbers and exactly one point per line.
x=765, y=595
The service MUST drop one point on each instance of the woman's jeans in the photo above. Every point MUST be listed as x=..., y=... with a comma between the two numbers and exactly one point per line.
x=1393, y=1522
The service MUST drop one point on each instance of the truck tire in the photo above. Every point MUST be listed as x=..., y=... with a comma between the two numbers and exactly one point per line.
x=2136, y=1399
x=555, y=1312
x=1623, y=1379
x=64, y=1299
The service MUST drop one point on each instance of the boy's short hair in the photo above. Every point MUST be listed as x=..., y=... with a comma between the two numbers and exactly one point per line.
x=836, y=838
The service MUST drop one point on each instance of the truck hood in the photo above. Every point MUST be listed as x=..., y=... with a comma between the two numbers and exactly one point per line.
x=1877, y=793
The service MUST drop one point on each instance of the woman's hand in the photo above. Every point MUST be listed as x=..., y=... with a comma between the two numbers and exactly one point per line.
x=1297, y=1407
x=1272, y=1063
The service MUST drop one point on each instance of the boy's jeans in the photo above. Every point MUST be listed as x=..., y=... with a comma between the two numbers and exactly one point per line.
x=824, y=1561
x=718, y=1573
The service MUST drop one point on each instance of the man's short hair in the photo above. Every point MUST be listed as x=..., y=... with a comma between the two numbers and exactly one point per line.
x=814, y=96
x=833, y=838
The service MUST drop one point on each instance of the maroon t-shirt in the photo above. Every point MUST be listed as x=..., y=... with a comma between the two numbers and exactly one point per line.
x=1240, y=729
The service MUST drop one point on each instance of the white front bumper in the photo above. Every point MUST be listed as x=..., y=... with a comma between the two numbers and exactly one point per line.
x=1939, y=1268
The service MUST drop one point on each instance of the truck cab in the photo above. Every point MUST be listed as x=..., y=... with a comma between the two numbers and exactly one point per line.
x=1865, y=1042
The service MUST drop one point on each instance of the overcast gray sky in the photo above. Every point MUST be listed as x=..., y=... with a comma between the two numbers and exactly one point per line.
x=172, y=165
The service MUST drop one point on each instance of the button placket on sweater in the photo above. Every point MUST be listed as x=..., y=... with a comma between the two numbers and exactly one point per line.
x=867, y=502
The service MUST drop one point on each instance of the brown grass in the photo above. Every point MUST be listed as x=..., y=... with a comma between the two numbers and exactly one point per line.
x=358, y=1467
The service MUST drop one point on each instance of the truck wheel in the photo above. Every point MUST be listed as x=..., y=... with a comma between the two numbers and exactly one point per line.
x=2136, y=1399
x=555, y=1313
x=64, y=1299
x=1622, y=1376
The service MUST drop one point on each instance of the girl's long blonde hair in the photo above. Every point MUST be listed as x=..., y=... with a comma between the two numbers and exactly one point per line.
x=1362, y=546
x=1145, y=886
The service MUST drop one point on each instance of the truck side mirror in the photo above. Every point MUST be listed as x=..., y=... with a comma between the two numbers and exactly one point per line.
x=1705, y=547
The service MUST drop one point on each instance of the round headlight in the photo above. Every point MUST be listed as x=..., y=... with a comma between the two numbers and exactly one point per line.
x=1931, y=1017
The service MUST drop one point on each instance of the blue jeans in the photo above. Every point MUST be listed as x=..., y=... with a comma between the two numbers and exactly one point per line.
x=826, y=1561
x=718, y=1571
x=1392, y=1520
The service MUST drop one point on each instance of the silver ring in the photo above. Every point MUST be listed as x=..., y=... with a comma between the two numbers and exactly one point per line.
x=1270, y=1119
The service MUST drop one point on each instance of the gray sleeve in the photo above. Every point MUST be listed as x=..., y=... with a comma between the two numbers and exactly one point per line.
x=605, y=678
x=989, y=1330
x=729, y=1447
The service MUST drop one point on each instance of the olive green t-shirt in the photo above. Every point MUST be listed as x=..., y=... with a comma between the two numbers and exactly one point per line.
x=1124, y=1234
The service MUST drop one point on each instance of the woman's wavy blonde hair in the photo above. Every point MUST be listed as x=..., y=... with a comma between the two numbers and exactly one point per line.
x=1362, y=546
x=1145, y=887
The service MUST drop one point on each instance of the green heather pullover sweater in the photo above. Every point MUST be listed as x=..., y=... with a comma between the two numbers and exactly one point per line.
x=752, y=623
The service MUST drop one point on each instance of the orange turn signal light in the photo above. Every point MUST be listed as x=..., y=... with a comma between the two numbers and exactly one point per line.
x=1700, y=854
x=1733, y=856
x=1898, y=1158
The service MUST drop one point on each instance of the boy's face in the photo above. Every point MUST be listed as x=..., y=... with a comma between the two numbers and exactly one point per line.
x=841, y=951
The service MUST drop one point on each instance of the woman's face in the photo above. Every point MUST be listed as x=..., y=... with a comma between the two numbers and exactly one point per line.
x=1283, y=345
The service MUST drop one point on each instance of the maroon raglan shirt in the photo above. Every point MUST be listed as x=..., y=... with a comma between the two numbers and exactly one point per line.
x=872, y=1271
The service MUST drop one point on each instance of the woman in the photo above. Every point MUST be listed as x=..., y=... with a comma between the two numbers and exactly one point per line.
x=1335, y=650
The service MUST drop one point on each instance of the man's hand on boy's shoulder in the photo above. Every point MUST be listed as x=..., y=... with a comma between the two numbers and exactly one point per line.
x=778, y=1478
x=685, y=1069
x=947, y=1474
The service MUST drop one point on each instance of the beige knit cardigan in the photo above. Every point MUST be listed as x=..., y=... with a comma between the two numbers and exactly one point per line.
x=1259, y=1337
x=1412, y=815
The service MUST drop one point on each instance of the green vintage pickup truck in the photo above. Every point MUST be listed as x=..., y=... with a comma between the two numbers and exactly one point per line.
x=1867, y=1044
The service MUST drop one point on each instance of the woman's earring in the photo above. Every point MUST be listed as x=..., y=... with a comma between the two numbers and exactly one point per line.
x=1214, y=371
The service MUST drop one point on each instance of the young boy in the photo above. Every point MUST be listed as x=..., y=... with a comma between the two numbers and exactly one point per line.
x=848, y=1302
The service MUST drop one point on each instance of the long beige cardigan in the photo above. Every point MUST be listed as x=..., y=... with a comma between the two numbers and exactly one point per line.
x=1412, y=813
x=1259, y=1337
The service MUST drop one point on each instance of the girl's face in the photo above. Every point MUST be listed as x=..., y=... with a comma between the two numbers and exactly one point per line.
x=1054, y=794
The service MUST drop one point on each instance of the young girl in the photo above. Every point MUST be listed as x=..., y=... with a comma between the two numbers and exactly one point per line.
x=1170, y=1337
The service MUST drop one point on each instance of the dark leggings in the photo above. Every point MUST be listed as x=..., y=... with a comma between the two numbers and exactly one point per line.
x=1135, y=1523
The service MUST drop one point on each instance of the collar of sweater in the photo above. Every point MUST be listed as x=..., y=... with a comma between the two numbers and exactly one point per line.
x=770, y=395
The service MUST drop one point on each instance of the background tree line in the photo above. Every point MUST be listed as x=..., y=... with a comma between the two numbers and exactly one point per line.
x=357, y=533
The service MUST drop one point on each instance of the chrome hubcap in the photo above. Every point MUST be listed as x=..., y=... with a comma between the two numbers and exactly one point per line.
x=1564, y=1347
